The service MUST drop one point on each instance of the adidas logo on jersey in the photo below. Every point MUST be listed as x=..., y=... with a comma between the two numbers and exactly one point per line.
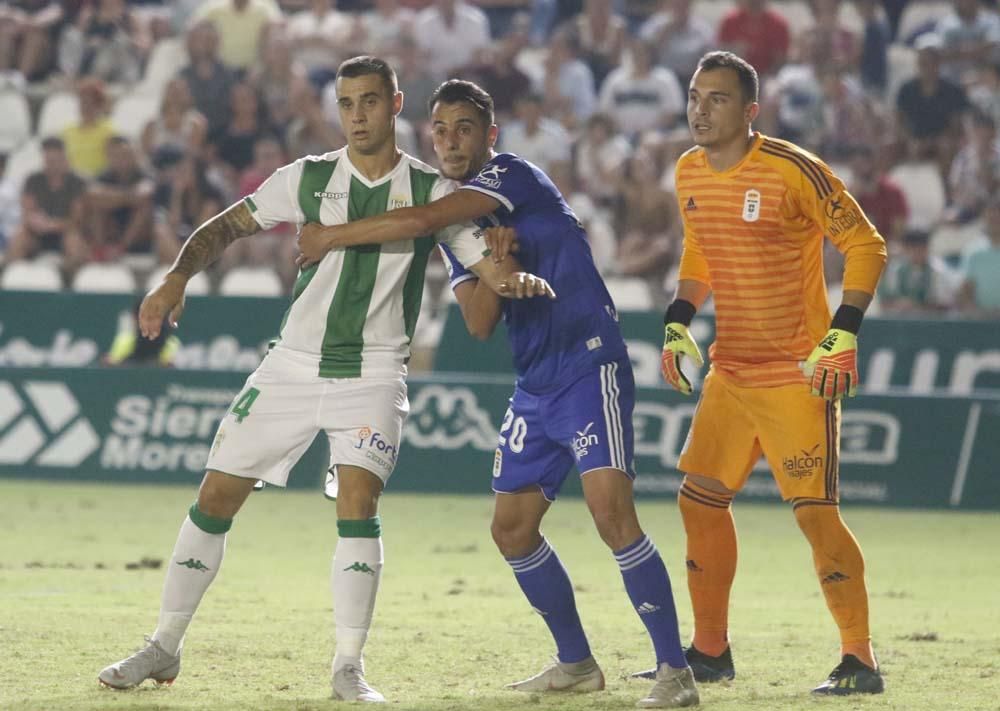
x=690, y=204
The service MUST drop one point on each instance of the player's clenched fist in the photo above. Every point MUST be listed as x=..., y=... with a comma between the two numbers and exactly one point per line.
x=832, y=367
x=166, y=298
x=678, y=342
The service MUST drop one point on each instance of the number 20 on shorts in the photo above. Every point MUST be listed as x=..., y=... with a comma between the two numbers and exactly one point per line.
x=518, y=429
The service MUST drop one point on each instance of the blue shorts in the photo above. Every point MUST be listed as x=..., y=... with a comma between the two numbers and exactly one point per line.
x=588, y=422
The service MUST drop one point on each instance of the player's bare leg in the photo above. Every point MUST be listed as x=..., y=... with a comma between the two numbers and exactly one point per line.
x=517, y=519
x=609, y=495
x=840, y=567
x=357, y=569
x=196, y=559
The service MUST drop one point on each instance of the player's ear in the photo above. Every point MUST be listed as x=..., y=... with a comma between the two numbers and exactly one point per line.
x=491, y=135
x=752, y=110
x=397, y=103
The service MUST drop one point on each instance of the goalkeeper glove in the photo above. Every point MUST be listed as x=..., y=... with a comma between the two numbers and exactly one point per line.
x=676, y=343
x=832, y=367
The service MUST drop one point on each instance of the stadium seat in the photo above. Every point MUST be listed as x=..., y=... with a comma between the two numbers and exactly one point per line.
x=251, y=281
x=27, y=275
x=132, y=111
x=15, y=128
x=60, y=111
x=924, y=189
x=100, y=278
x=24, y=161
x=198, y=285
x=166, y=59
x=629, y=293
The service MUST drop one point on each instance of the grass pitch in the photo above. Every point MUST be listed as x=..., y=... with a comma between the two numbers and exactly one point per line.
x=79, y=588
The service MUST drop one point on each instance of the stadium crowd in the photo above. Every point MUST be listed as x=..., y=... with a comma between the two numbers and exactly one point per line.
x=127, y=124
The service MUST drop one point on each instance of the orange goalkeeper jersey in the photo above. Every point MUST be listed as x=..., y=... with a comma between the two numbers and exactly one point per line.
x=754, y=233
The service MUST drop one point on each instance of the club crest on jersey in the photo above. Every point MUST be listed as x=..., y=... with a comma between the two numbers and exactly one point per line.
x=490, y=176
x=751, y=206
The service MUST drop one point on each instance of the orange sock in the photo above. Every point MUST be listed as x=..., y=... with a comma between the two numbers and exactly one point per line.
x=711, y=563
x=841, y=570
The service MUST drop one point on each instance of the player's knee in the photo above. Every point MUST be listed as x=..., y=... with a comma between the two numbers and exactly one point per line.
x=617, y=528
x=818, y=523
x=221, y=495
x=514, y=538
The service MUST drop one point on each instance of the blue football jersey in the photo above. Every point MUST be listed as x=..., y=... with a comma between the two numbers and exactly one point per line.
x=553, y=341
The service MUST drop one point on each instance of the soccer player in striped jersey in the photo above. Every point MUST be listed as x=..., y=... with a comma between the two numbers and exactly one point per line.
x=339, y=365
x=573, y=400
x=755, y=211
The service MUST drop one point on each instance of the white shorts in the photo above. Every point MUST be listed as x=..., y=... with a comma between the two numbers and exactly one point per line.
x=284, y=405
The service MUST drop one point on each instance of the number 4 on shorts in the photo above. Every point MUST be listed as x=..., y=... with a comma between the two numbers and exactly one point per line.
x=242, y=407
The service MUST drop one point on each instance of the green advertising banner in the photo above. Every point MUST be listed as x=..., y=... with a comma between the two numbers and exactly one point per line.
x=67, y=330
x=919, y=357
x=157, y=425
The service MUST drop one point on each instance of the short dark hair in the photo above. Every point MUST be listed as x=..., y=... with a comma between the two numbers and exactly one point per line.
x=53, y=143
x=456, y=90
x=747, y=75
x=367, y=64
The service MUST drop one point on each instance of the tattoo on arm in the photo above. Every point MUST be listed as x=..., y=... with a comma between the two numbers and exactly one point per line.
x=210, y=240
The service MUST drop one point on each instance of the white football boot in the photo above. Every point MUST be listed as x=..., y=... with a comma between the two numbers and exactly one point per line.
x=150, y=662
x=349, y=685
x=582, y=676
x=674, y=689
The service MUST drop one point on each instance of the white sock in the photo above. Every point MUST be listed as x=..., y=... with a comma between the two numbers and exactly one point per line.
x=357, y=568
x=191, y=569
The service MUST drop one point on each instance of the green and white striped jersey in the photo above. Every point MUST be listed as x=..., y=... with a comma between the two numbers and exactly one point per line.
x=355, y=311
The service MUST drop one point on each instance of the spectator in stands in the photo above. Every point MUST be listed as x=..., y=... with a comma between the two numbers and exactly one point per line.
x=86, y=141
x=929, y=106
x=840, y=46
x=682, y=37
x=241, y=25
x=975, y=173
x=52, y=210
x=26, y=34
x=496, y=70
x=184, y=198
x=602, y=34
x=875, y=39
x=985, y=93
x=120, y=205
x=99, y=44
x=275, y=78
x=451, y=32
x=535, y=137
x=595, y=220
x=320, y=35
x=648, y=221
x=179, y=123
x=849, y=115
x=878, y=195
x=642, y=97
x=970, y=38
x=981, y=289
x=386, y=25
x=600, y=158
x=917, y=281
x=10, y=203
x=791, y=106
x=208, y=78
x=414, y=76
x=234, y=145
x=758, y=33
x=568, y=84
x=309, y=133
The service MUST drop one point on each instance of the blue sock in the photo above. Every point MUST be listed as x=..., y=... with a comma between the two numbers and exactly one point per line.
x=648, y=586
x=545, y=583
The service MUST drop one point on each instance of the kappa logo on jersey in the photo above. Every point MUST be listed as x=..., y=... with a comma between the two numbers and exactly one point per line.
x=378, y=450
x=584, y=441
x=490, y=176
x=751, y=206
x=800, y=466
x=690, y=204
x=333, y=196
x=53, y=432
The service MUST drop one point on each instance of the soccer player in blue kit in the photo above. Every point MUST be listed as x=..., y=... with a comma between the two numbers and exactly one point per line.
x=574, y=394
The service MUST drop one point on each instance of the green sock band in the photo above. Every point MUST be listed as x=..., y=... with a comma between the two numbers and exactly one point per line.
x=363, y=528
x=208, y=524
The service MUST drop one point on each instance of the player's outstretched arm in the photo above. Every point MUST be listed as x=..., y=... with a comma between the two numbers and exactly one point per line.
x=202, y=248
x=460, y=206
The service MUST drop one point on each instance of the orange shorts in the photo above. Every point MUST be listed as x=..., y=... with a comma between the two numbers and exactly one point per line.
x=798, y=433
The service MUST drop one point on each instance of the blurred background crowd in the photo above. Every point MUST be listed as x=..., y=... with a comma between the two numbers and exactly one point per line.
x=125, y=125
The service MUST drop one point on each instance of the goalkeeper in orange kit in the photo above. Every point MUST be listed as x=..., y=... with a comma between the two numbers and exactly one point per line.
x=755, y=212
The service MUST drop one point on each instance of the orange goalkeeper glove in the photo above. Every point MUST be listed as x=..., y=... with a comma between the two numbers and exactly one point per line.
x=832, y=367
x=678, y=342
